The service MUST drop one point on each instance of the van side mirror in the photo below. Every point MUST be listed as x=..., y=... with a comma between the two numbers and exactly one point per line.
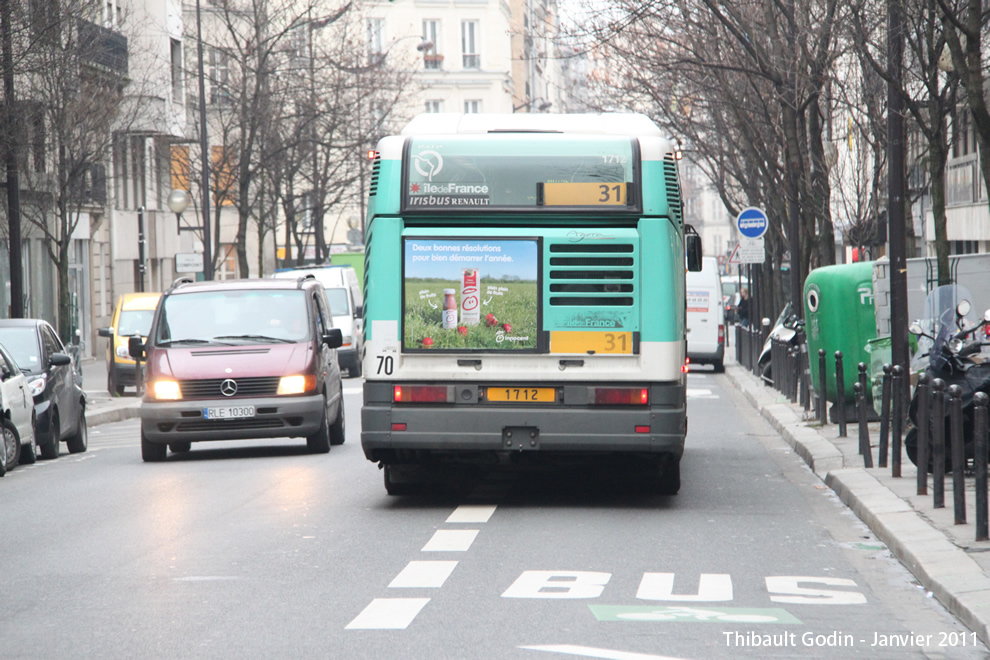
x=334, y=338
x=106, y=332
x=135, y=346
x=60, y=359
x=692, y=248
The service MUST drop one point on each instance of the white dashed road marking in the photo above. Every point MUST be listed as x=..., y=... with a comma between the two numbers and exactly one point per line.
x=451, y=540
x=388, y=614
x=700, y=394
x=423, y=574
x=472, y=513
x=398, y=613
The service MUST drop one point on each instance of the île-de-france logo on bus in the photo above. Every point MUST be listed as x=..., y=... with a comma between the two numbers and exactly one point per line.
x=428, y=163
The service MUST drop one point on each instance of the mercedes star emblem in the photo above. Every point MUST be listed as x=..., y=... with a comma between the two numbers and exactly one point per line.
x=228, y=387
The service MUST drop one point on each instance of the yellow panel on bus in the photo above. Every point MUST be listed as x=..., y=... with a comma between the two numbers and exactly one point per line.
x=569, y=341
x=585, y=194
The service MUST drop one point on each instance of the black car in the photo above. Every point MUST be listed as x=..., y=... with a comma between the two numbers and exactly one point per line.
x=59, y=402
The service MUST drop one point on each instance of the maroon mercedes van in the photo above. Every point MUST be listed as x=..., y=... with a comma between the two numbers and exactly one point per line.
x=240, y=359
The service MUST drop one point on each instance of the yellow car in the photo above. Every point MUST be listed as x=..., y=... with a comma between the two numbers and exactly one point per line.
x=131, y=318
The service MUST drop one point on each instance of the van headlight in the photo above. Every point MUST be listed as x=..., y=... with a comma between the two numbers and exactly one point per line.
x=123, y=351
x=296, y=384
x=347, y=341
x=165, y=390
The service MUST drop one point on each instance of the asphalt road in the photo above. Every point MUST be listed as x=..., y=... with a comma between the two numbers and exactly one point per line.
x=257, y=549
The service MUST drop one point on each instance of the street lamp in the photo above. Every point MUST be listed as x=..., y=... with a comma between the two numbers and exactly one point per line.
x=178, y=201
x=204, y=156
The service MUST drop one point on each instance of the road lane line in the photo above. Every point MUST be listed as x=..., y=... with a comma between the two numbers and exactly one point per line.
x=429, y=574
x=388, y=614
x=472, y=513
x=451, y=540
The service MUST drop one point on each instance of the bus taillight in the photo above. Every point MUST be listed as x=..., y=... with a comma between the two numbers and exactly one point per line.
x=421, y=394
x=622, y=396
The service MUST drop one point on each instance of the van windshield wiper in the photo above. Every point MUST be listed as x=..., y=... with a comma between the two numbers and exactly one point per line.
x=257, y=338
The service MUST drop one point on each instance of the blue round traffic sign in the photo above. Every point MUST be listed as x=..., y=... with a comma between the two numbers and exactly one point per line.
x=752, y=222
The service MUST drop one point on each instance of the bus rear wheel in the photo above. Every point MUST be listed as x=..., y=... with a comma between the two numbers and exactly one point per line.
x=668, y=476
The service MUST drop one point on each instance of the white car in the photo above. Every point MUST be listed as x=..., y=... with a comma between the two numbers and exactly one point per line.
x=17, y=411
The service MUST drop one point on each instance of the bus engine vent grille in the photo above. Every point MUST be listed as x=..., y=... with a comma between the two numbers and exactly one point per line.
x=376, y=170
x=601, y=275
x=673, y=187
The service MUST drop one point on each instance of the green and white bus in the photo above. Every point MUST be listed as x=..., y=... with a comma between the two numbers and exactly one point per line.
x=524, y=294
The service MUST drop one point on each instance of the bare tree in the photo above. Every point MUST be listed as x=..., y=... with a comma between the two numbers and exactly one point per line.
x=75, y=76
x=965, y=23
x=929, y=92
x=745, y=84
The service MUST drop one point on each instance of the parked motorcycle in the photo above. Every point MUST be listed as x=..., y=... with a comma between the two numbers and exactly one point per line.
x=785, y=329
x=952, y=342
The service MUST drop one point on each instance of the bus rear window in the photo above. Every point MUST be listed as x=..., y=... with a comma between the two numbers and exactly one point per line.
x=546, y=171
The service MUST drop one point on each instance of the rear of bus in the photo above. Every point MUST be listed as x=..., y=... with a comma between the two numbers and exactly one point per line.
x=524, y=294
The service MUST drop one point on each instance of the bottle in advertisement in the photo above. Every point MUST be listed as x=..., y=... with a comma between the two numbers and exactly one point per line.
x=449, y=309
x=470, y=296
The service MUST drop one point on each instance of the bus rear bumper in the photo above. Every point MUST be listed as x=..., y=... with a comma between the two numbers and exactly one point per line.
x=392, y=433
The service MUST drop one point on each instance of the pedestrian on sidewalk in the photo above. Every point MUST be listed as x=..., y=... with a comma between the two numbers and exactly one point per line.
x=742, y=309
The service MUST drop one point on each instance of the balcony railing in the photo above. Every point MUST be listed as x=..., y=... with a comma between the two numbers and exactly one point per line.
x=472, y=61
x=103, y=47
x=434, y=62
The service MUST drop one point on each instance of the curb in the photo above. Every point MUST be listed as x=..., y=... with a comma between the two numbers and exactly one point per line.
x=119, y=414
x=943, y=568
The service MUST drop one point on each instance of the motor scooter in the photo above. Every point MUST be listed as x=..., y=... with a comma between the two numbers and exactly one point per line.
x=953, y=343
x=785, y=329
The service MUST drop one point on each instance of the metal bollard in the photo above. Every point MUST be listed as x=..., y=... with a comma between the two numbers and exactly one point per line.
x=805, y=381
x=924, y=431
x=795, y=372
x=980, y=431
x=863, y=378
x=840, y=394
x=884, y=415
x=897, y=419
x=937, y=416
x=864, y=429
x=822, y=380
x=958, y=454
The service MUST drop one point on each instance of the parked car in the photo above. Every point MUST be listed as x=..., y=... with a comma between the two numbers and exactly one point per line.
x=59, y=402
x=131, y=318
x=235, y=359
x=346, y=309
x=16, y=415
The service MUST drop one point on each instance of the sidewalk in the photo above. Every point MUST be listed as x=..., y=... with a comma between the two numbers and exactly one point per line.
x=101, y=408
x=942, y=555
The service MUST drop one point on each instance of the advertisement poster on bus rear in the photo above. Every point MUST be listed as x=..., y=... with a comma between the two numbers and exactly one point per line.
x=470, y=294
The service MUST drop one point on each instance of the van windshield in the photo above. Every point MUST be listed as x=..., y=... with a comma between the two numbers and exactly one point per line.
x=338, y=302
x=253, y=316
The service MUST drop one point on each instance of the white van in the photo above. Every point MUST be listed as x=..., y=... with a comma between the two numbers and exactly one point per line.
x=705, y=316
x=344, y=295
